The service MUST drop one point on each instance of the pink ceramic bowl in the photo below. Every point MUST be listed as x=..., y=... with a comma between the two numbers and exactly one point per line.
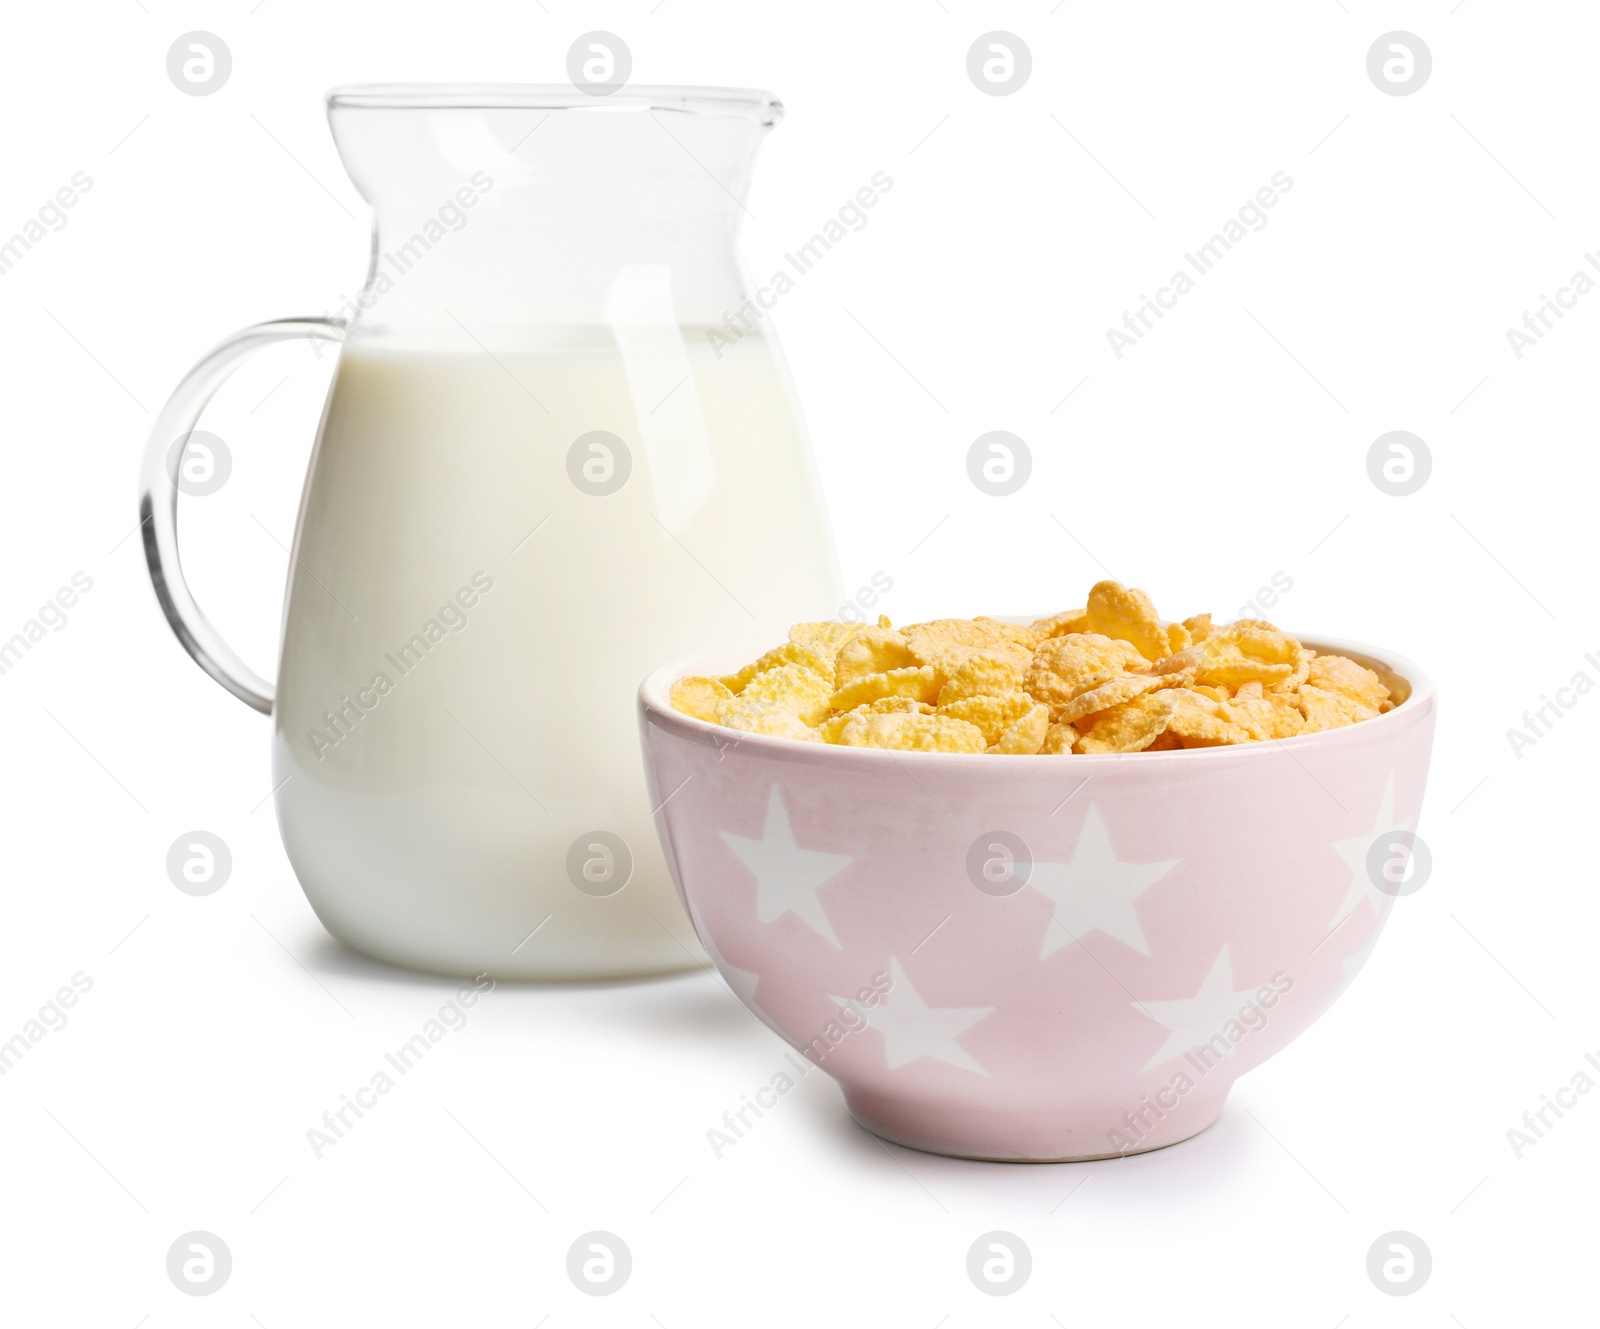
x=1039, y=958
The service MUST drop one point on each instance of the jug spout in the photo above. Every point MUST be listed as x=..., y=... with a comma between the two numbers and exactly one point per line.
x=502, y=207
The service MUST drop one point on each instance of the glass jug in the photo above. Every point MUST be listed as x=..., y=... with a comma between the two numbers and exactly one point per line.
x=560, y=448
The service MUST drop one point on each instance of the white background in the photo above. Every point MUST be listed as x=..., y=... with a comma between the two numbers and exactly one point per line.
x=1230, y=445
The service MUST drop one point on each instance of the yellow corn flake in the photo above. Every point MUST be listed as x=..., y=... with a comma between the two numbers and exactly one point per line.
x=1258, y=640
x=754, y=716
x=1065, y=666
x=981, y=674
x=795, y=688
x=946, y=643
x=1335, y=673
x=992, y=714
x=896, y=705
x=699, y=697
x=788, y=654
x=1201, y=721
x=1324, y=709
x=1338, y=692
x=1058, y=740
x=1111, y=677
x=1020, y=633
x=1061, y=625
x=1176, y=671
x=1237, y=654
x=871, y=651
x=830, y=729
x=1265, y=717
x=1114, y=692
x=911, y=732
x=1127, y=615
x=920, y=684
x=1025, y=735
x=1302, y=671
x=825, y=638
x=1130, y=726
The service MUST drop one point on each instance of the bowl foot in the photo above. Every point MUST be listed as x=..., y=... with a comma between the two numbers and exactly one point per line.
x=1079, y=1134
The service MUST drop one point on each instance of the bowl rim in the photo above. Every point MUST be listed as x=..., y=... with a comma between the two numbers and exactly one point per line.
x=690, y=99
x=655, y=706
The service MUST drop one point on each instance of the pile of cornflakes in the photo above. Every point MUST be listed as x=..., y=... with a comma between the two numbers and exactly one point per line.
x=1111, y=677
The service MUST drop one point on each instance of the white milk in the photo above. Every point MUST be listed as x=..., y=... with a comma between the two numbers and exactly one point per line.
x=434, y=792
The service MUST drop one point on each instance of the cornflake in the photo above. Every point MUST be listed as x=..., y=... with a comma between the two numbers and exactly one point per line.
x=1112, y=677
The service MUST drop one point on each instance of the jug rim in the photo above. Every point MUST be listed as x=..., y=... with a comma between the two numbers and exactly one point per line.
x=753, y=103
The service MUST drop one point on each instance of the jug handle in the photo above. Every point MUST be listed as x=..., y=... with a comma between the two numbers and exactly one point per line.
x=158, y=500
